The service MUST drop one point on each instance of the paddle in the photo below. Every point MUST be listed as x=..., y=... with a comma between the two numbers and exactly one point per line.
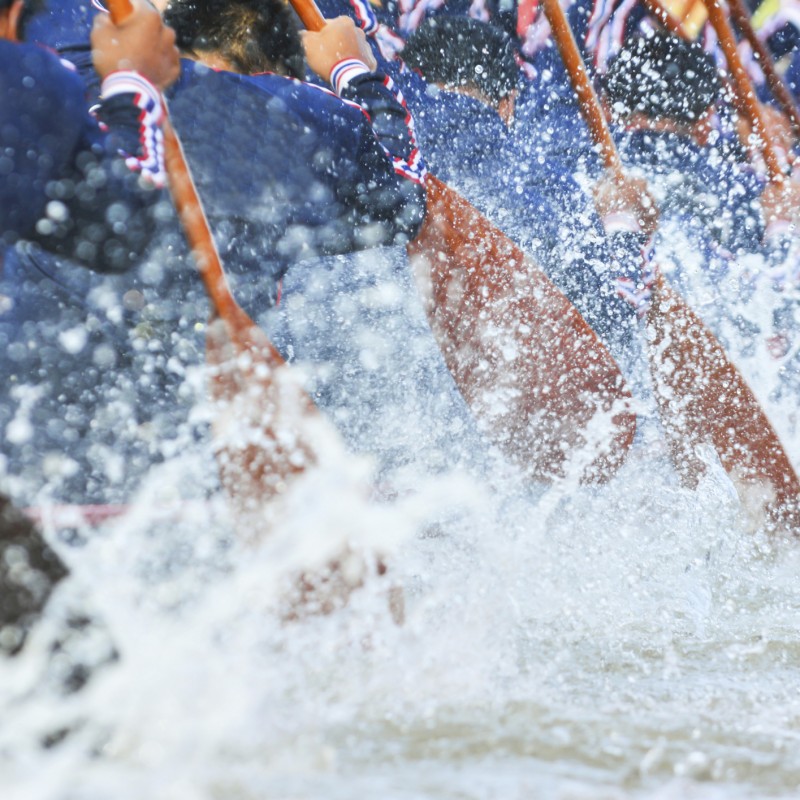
x=778, y=88
x=533, y=372
x=700, y=393
x=746, y=97
x=262, y=417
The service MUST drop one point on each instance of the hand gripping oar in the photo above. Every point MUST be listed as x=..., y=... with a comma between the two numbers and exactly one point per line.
x=778, y=88
x=700, y=393
x=533, y=372
x=261, y=417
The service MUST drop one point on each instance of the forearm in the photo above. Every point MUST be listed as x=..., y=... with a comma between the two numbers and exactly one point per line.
x=101, y=213
x=394, y=193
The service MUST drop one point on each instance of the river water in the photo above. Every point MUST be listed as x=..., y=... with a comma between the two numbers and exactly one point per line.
x=635, y=640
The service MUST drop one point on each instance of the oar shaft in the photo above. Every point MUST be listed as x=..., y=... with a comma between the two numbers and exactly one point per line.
x=778, y=88
x=590, y=105
x=744, y=89
x=196, y=226
x=189, y=206
x=309, y=14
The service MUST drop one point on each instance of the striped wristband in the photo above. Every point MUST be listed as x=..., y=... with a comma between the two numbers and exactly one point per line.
x=345, y=71
x=129, y=82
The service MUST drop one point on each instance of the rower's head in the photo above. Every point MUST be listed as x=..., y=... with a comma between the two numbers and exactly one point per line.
x=662, y=78
x=245, y=36
x=461, y=54
x=13, y=16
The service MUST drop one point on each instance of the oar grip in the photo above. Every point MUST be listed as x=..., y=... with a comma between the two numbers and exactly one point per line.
x=120, y=10
x=309, y=14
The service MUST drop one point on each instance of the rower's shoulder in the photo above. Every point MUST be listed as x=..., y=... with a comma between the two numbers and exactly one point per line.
x=35, y=81
x=268, y=92
x=21, y=60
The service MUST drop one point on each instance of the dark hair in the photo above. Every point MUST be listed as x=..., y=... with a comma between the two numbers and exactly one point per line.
x=29, y=571
x=253, y=35
x=459, y=51
x=663, y=76
x=28, y=10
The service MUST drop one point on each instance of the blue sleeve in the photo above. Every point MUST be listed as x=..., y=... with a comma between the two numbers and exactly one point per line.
x=66, y=184
x=391, y=190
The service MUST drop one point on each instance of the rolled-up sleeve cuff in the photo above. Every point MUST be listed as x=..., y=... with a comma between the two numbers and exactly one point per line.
x=621, y=222
x=345, y=71
x=129, y=82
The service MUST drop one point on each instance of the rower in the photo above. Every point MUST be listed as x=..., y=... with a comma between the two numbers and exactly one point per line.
x=467, y=128
x=69, y=184
x=55, y=152
x=354, y=320
x=722, y=227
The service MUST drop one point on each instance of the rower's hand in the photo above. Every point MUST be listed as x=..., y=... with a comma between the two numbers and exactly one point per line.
x=141, y=43
x=338, y=40
x=616, y=197
x=780, y=203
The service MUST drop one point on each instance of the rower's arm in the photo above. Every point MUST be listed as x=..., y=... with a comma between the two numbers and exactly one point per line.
x=394, y=196
x=390, y=190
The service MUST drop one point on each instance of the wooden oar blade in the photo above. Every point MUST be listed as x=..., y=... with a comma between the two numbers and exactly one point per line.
x=263, y=417
x=264, y=421
x=703, y=398
x=539, y=381
x=538, y=404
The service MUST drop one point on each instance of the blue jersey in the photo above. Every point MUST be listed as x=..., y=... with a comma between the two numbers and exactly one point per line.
x=541, y=208
x=62, y=174
x=296, y=171
x=65, y=26
x=701, y=187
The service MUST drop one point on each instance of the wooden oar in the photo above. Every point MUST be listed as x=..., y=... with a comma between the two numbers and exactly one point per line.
x=533, y=372
x=746, y=97
x=778, y=88
x=261, y=417
x=700, y=393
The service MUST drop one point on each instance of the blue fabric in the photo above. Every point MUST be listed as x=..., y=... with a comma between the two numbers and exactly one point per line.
x=66, y=26
x=536, y=202
x=709, y=188
x=294, y=172
x=62, y=24
x=58, y=164
x=67, y=371
x=43, y=123
x=792, y=76
x=784, y=41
